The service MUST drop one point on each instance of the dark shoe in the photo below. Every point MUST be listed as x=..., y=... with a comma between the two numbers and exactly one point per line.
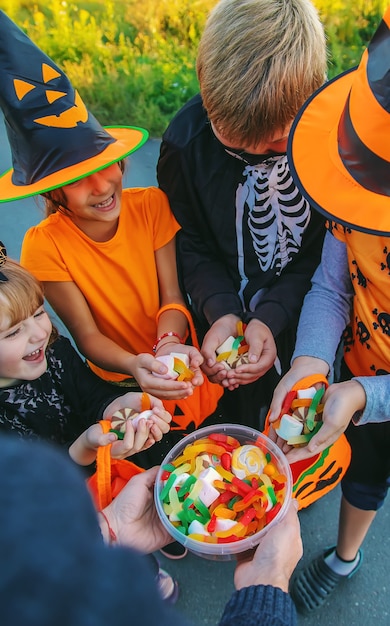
x=313, y=585
x=174, y=551
x=167, y=586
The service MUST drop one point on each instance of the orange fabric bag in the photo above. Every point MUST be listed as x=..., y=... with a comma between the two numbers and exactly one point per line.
x=316, y=476
x=112, y=474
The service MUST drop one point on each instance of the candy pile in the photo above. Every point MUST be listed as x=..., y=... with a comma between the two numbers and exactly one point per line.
x=234, y=350
x=301, y=416
x=219, y=491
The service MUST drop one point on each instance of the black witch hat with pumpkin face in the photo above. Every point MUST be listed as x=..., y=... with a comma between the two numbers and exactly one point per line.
x=54, y=139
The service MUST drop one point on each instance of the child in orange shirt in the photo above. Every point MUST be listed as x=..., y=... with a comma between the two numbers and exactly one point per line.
x=105, y=256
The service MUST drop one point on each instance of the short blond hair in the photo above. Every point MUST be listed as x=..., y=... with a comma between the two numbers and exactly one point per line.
x=20, y=296
x=258, y=62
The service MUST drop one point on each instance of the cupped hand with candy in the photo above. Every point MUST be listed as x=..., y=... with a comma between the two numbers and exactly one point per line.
x=276, y=556
x=219, y=332
x=261, y=355
x=189, y=367
x=138, y=435
x=149, y=373
x=302, y=368
x=342, y=401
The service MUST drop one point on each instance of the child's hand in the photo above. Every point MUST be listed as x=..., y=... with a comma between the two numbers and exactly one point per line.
x=302, y=366
x=146, y=431
x=341, y=402
x=261, y=355
x=223, y=328
x=195, y=359
x=133, y=516
x=168, y=389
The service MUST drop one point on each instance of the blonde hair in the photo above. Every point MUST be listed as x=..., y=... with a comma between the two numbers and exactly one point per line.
x=258, y=62
x=20, y=296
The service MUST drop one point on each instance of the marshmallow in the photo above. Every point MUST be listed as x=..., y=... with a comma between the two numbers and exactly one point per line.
x=182, y=357
x=120, y=418
x=169, y=361
x=196, y=528
x=306, y=393
x=143, y=415
x=223, y=523
x=208, y=494
x=227, y=345
x=289, y=427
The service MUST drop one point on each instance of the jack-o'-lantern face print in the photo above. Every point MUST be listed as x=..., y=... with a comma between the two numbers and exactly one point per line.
x=66, y=119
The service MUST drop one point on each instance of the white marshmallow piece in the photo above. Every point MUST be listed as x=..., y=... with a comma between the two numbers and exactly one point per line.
x=182, y=357
x=196, y=528
x=168, y=360
x=289, y=427
x=224, y=524
x=227, y=345
x=180, y=480
x=306, y=393
x=208, y=494
x=143, y=415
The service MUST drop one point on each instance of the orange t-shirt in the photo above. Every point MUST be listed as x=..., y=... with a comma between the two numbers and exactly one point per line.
x=117, y=277
x=367, y=347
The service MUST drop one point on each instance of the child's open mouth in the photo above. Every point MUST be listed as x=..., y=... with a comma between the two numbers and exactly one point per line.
x=34, y=356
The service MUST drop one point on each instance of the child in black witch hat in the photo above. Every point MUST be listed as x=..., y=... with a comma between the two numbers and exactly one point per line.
x=106, y=256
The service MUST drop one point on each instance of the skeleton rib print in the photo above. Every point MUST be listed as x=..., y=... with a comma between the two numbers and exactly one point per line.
x=277, y=214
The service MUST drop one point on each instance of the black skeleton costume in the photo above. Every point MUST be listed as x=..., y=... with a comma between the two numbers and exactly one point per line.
x=249, y=242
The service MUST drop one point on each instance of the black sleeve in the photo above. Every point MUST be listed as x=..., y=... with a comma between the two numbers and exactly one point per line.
x=281, y=305
x=204, y=275
x=86, y=392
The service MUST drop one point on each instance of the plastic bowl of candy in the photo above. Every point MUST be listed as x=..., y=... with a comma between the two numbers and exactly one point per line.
x=221, y=488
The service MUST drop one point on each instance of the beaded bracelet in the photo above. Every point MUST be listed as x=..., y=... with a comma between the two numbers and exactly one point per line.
x=171, y=333
x=111, y=533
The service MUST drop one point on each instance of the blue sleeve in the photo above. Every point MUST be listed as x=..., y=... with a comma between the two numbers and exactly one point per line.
x=259, y=606
x=377, y=389
x=327, y=306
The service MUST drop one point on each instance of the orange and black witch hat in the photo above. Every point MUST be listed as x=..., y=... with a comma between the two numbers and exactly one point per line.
x=339, y=144
x=54, y=139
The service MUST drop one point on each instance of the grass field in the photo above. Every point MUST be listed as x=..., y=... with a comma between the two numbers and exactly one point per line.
x=134, y=62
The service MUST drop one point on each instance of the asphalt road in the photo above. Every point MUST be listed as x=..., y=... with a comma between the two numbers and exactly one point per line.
x=206, y=585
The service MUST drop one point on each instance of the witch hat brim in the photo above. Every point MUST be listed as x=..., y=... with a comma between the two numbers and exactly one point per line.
x=126, y=140
x=54, y=139
x=339, y=148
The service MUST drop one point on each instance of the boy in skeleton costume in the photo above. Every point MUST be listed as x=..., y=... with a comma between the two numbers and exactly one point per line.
x=249, y=242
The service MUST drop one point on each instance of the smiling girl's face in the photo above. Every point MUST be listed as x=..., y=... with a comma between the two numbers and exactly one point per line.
x=25, y=327
x=23, y=347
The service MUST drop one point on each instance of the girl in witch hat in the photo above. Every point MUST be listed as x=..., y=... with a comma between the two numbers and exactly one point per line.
x=106, y=256
x=346, y=124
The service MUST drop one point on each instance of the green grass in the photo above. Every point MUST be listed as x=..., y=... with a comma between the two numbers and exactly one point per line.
x=134, y=62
